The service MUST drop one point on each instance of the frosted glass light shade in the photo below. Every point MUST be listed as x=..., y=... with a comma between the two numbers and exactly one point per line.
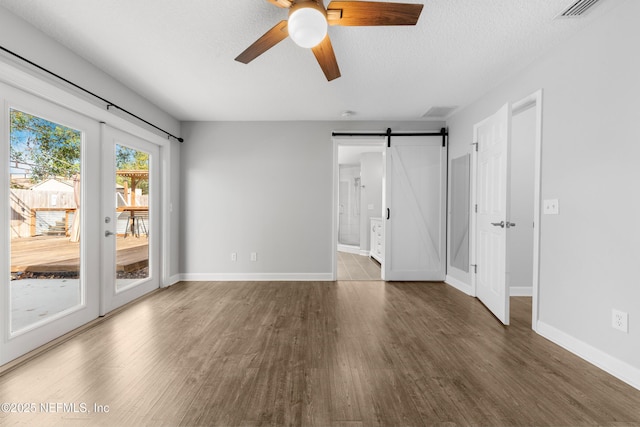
x=307, y=26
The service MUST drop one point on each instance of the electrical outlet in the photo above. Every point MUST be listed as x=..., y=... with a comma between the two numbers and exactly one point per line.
x=254, y=256
x=234, y=256
x=550, y=207
x=620, y=320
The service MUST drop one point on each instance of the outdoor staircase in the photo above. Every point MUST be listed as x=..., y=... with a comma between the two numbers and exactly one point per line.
x=59, y=229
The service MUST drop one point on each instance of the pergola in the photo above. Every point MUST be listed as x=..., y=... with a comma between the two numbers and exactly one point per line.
x=136, y=176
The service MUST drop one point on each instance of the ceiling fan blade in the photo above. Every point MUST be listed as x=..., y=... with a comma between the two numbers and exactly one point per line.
x=264, y=43
x=281, y=3
x=368, y=13
x=327, y=59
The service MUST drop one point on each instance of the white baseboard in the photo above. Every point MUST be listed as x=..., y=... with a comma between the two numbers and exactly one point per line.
x=363, y=252
x=616, y=367
x=459, y=285
x=349, y=249
x=257, y=277
x=521, y=291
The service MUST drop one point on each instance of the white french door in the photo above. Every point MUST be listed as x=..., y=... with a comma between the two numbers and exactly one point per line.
x=49, y=232
x=489, y=254
x=415, y=206
x=130, y=218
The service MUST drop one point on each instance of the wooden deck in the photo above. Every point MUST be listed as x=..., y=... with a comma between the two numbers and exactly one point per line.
x=57, y=254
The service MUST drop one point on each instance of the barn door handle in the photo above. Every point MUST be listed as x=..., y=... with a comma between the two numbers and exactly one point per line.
x=498, y=224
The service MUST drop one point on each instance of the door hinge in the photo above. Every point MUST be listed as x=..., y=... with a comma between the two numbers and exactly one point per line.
x=475, y=268
x=476, y=208
x=475, y=144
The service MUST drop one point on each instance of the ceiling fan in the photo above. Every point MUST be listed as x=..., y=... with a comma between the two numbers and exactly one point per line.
x=308, y=21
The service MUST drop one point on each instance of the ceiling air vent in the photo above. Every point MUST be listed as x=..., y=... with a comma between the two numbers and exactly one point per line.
x=439, y=113
x=578, y=8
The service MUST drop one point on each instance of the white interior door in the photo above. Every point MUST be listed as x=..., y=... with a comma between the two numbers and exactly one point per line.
x=131, y=218
x=49, y=229
x=415, y=203
x=492, y=218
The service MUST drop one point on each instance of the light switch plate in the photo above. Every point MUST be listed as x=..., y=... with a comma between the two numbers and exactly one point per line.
x=551, y=207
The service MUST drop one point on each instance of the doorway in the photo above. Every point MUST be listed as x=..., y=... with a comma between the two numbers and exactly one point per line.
x=59, y=269
x=505, y=223
x=408, y=239
x=360, y=175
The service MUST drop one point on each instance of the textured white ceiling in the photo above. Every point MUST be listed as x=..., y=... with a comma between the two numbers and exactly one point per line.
x=180, y=55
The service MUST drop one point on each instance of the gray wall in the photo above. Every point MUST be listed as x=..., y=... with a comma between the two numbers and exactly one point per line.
x=238, y=195
x=590, y=251
x=175, y=202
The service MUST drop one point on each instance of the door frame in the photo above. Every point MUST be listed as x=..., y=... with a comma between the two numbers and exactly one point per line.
x=534, y=100
x=359, y=141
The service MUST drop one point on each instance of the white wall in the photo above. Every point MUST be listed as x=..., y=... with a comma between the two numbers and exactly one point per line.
x=590, y=152
x=371, y=166
x=238, y=196
x=520, y=237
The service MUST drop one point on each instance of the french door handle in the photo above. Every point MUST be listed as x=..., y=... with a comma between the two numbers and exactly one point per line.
x=108, y=233
x=498, y=224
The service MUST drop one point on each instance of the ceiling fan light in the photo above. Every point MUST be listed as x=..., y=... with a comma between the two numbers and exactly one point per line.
x=307, y=25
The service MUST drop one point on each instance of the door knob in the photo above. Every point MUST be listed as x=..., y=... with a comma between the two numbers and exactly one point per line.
x=108, y=233
x=510, y=224
x=498, y=224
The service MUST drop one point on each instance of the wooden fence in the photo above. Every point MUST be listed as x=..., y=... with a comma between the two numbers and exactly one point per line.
x=25, y=204
x=32, y=212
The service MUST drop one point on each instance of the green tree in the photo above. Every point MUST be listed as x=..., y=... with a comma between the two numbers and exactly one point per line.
x=132, y=159
x=50, y=149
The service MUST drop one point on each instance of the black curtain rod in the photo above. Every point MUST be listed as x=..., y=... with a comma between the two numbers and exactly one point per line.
x=444, y=133
x=106, y=101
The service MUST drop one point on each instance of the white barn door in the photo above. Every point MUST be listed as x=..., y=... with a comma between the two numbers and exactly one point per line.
x=492, y=218
x=415, y=203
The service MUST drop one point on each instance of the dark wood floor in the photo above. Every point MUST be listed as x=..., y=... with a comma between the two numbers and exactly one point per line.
x=317, y=353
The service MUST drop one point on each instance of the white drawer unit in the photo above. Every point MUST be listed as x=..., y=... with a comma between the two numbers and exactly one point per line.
x=377, y=239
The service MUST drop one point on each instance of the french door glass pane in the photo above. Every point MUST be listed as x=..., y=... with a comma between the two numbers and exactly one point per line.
x=45, y=200
x=132, y=213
